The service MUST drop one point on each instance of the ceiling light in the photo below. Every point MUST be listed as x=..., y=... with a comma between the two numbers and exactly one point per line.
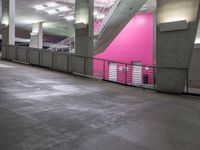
x=61, y=15
x=63, y=8
x=70, y=18
x=52, y=11
x=51, y=4
x=100, y=16
x=40, y=7
x=143, y=9
x=71, y=13
x=95, y=13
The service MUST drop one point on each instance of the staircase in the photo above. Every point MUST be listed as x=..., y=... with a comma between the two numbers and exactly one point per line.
x=117, y=14
x=117, y=18
x=66, y=45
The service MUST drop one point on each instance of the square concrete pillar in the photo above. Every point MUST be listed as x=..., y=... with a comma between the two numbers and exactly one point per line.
x=37, y=36
x=8, y=22
x=84, y=32
x=177, y=23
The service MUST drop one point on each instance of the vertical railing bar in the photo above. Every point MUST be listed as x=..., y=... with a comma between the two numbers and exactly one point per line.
x=67, y=64
x=84, y=65
x=187, y=82
x=126, y=74
x=104, y=69
x=154, y=77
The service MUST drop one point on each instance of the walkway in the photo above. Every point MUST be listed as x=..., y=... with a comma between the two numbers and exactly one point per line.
x=45, y=110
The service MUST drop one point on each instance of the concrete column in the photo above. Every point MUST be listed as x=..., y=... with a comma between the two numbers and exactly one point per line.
x=154, y=37
x=8, y=22
x=84, y=31
x=36, y=36
x=175, y=45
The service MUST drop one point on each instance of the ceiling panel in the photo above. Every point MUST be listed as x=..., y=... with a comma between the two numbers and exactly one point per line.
x=53, y=24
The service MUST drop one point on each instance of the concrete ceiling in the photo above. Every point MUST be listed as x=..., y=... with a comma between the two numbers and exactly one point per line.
x=53, y=24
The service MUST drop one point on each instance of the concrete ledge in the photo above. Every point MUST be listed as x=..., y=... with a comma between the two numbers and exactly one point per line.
x=60, y=62
x=34, y=56
x=46, y=59
x=22, y=54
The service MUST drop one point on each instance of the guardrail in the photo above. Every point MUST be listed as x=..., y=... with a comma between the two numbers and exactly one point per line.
x=109, y=70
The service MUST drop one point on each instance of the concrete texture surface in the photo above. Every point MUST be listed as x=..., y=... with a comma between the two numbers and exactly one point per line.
x=45, y=110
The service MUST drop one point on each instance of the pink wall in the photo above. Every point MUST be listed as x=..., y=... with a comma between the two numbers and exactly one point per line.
x=134, y=43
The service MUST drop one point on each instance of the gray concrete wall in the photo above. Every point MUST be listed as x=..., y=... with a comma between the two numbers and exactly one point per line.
x=174, y=48
x=60, y=62
x=46, y=59
x=54, y=60
x=22, y=54
x=34, y=56
x=194, y=71
x=12, y=53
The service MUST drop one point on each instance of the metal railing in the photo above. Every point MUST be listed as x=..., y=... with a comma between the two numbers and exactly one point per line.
x=67, y=45
x=124, y=73
x=127, y=73
x=115, y=71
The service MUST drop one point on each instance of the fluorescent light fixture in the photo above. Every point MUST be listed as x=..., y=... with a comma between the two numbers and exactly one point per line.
x=71, y=13
x=173, y=26
x=34, y=33
x=197, y=41
x=100, y=16
x=40, y=7
x=52, y=11
x=5, y=22
x=95, y=13
x=51, y=4
x=70, y=18
x=63, y=8
x=143, y=9
x=62, y=15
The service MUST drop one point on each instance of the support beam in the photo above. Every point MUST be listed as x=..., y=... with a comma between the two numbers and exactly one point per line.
x=179, y=20
x=8, y=22
x=37, y=36
x=84, y=31
x=84, y=27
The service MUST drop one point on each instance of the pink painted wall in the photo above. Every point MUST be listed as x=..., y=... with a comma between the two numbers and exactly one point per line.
x=134, y=43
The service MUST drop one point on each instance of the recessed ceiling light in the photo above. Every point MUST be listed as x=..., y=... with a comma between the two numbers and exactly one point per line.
x=70, y=18
x=100, y=16
x=63, y=8
x=51, y=4
x=52, y=11
x=40, y=7
x=62, y=15
x=95, y=13
x=143, y=9
x=71, y=13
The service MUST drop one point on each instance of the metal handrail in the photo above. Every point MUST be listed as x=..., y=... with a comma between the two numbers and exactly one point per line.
x=69, y=41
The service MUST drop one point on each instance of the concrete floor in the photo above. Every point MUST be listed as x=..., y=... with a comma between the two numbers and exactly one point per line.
x=45, y=110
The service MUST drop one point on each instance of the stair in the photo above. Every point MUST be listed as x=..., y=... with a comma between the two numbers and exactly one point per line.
x=117, y=18
x=66, y=45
